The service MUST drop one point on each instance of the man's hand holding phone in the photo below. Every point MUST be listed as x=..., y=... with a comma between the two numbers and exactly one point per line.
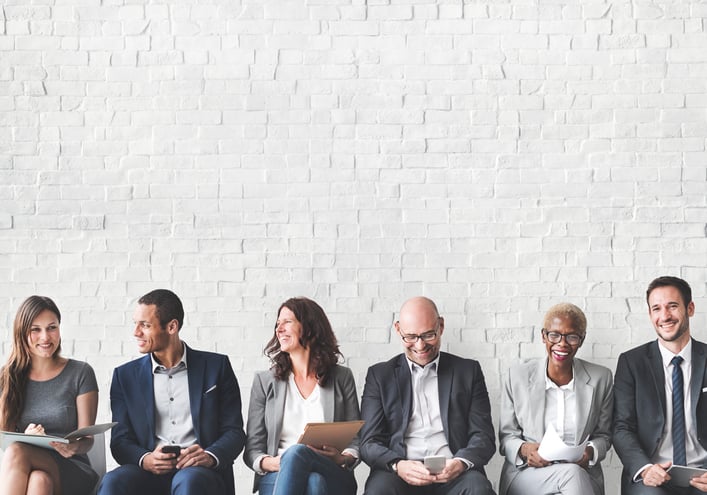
x=435, y=463
x=162, y=460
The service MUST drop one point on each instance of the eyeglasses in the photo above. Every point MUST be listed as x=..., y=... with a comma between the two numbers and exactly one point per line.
x=411, y=338
x=570, y=338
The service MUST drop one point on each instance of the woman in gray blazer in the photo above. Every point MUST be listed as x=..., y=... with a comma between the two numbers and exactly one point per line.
x=567, y=394
x=305, y=384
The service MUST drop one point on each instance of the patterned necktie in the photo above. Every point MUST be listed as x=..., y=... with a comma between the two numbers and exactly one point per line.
x=678, y=414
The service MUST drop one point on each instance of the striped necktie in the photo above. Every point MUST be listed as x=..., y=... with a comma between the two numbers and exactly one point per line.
x=679, y=457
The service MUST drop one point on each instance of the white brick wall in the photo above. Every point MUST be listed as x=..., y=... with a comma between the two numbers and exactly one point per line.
x=497, y=157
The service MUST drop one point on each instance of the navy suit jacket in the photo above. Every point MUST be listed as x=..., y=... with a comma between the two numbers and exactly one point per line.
x=214, y=399
x=386, y=407
x=639, y=404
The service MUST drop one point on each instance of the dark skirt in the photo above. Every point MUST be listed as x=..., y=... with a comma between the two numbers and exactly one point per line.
x=77, y=475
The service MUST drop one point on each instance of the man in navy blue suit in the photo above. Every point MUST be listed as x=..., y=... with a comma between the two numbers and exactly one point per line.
x=178, y=411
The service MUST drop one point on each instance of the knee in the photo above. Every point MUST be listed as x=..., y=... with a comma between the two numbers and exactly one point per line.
x=575, y=472
x=40, y=482
x=475, y=483
x=119, y=481
x=16, y=454
x=296, y=450
x=196, y=480
x=295, y=454
x=384, y=483
x=109, y=484
x=575, y=469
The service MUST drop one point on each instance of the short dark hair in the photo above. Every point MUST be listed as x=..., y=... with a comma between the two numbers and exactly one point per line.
x=167, y=306
x=668, y=281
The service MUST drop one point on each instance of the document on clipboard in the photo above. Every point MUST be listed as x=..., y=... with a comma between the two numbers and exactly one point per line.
x=8, y=437
x=337, y=434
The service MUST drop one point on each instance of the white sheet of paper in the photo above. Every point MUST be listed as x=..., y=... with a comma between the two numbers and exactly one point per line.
x=552, y=448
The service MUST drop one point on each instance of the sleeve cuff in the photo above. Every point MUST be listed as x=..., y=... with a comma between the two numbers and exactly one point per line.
x=256, y=464
x=637, y=477
x=595, y=457
x=353, y=453
x=215, y=458
x=469, y=465
x=139, y=463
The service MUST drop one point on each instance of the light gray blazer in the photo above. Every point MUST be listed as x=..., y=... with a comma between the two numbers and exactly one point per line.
x=523, y=412
x=267, y=406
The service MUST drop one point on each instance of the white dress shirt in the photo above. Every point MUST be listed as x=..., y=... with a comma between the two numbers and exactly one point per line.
x=425, y=432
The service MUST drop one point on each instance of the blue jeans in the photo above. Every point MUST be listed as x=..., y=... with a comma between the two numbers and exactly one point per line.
x=130, y=479
x=304, y=472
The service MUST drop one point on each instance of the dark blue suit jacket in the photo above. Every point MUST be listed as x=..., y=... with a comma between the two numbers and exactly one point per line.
x=386, y=407
x=215, y=402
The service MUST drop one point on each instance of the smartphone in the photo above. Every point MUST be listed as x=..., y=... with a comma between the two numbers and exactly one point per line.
x=435, y=463
x=171, y=449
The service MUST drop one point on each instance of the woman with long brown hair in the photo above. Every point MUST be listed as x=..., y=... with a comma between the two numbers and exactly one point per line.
x=43, y=393
x=305, y=384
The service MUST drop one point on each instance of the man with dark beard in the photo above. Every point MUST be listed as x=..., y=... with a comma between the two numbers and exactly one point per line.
x=659, y=408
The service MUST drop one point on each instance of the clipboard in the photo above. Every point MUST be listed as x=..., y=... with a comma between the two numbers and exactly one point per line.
x=681, y=475
x=337, y=434
x=8, y=437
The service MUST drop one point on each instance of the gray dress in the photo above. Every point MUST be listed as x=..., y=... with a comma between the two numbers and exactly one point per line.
x=52, y=403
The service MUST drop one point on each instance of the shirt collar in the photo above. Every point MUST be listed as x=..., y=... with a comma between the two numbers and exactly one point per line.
x=550, y=385
x=158, y=366
x=667, y=356
x=432, y=365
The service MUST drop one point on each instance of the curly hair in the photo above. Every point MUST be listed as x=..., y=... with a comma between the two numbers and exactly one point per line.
x=317, y=336
x=570, y=312
x=14, y=375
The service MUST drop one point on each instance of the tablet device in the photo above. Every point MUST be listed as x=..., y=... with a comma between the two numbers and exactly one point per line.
x=337, y=434
x=681, y=475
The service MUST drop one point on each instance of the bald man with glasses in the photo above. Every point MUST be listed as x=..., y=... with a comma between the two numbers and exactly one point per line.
x=424, y=403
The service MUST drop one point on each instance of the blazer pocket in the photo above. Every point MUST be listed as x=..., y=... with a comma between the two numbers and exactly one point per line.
x=704, y=389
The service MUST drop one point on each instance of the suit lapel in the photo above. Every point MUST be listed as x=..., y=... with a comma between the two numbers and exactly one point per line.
x=327, y=394
x=698, y=371
x=536, y=394
x=655, y=365
x=195, y=377
x=274, y=416
x=444, y=383
x=404, y=383
x=144, y=375
x=585, y=396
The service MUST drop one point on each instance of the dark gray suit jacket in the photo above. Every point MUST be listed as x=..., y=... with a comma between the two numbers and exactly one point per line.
x=639, y=404
x=267, y=407
x=386, y=407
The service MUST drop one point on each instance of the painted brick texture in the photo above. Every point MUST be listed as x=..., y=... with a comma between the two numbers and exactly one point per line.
x=498, y=157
